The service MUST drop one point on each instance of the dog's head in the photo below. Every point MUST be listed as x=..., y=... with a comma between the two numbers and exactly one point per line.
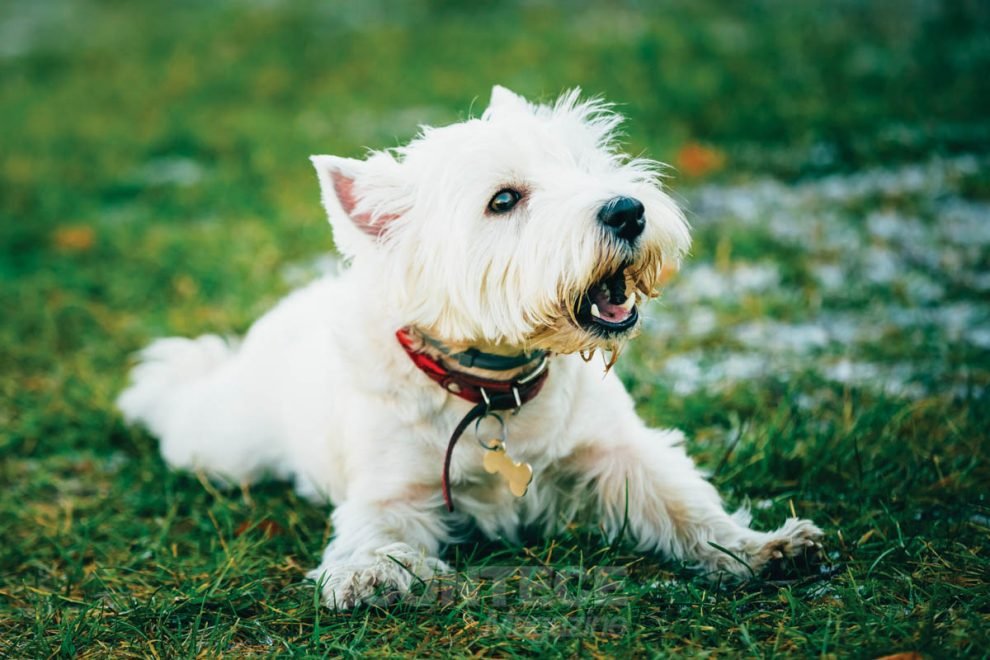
x=525, y=228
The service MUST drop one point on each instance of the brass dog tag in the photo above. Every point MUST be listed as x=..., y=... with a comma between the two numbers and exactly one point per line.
x=517, y=474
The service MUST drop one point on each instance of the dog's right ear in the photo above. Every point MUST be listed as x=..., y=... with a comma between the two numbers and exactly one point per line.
x=505, y=100
x=363, y=198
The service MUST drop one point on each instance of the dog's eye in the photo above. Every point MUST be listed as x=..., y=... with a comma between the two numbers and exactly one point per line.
x=504, y=200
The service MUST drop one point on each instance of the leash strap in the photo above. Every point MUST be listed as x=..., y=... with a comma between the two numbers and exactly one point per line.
x=479, y=411
x=486, y=394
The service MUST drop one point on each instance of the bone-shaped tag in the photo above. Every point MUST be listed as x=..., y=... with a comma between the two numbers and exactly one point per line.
x=517, y=474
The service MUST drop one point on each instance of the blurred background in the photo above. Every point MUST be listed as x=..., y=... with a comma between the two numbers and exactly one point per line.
x=153, y=154
x=833, y=158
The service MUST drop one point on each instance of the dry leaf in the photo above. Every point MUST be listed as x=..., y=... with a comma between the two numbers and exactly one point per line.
x=698, y=160
x=74, y=238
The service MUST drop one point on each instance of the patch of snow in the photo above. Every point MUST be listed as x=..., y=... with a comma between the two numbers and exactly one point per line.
x=701, y=321
x=881, y=265
x=979, y=281
x=684, y=372
x=738, y=367
x=755, y=277
x=966, y=223
x=773, y=337
x=922, y=289
x=888, y=244
x=832, y=277
x=893, y=227
x=691, y=372
x=893, y=380
x=705, y=282
x=979, y=336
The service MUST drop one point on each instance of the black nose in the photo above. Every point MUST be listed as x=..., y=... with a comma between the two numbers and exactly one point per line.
x=624, y=216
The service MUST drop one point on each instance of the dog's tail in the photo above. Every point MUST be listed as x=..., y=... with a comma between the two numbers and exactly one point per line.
x=164, y=367
x=189, y=394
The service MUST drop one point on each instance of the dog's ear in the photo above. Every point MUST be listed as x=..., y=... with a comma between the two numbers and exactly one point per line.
x=363, y=198
x=504, y=99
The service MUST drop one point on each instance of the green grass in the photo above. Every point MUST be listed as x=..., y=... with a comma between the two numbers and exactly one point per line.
x=153, y=180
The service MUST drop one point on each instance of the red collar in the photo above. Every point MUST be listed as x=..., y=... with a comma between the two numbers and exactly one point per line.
x=497, y=394
x=488, y=395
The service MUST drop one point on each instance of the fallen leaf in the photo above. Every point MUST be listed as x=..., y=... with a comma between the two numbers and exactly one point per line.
x=74, y=238
x=698, y=160
x=267, y=526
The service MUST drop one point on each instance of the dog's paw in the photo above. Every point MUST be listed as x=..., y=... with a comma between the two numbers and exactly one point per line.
x=795, y=545
x=797, y=539
x=382, y=579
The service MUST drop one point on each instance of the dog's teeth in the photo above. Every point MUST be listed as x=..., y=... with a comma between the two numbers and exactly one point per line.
x=595, y=312
x=630, y=302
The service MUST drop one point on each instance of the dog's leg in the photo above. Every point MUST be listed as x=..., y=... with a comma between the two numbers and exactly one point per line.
x=647, y=485
x=382, y=548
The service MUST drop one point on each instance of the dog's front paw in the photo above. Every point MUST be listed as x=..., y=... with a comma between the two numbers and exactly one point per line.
x=381, y=579
x=749, y=553
x=796, y=539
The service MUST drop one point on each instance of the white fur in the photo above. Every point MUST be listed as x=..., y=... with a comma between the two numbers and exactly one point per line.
x=319, y=391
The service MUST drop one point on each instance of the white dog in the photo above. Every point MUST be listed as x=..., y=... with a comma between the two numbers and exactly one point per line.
x=485, y=258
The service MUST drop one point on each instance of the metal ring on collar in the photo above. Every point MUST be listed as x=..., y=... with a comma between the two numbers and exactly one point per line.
x=503, y=432
x=533, y=374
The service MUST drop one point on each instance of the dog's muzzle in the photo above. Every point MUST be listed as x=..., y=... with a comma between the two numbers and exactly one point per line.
x=608, y=307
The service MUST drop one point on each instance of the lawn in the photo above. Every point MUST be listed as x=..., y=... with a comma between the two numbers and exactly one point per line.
x=826, y=346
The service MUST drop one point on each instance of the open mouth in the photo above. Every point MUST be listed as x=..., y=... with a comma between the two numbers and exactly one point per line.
x=609, y=306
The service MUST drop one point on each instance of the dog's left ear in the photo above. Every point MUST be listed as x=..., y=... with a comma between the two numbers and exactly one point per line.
x=363, y=198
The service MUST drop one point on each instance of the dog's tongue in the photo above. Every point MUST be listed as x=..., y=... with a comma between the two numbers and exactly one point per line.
x=609, y=311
